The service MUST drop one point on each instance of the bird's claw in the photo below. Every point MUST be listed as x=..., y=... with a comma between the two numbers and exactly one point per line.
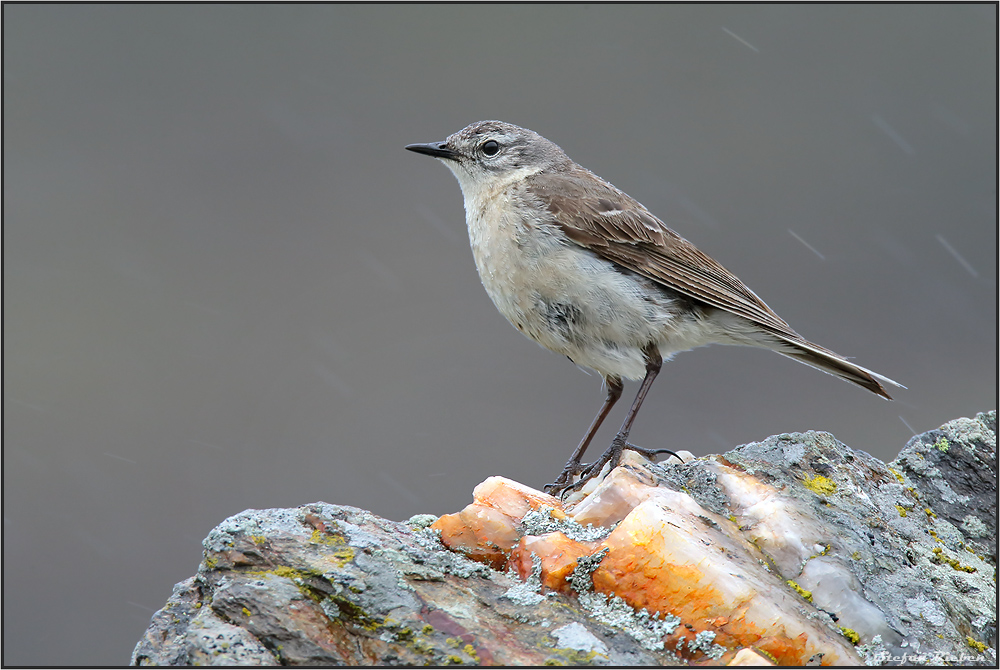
x=564, y=484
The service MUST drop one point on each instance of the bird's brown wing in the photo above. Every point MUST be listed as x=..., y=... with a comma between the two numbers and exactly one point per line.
x=596, y=215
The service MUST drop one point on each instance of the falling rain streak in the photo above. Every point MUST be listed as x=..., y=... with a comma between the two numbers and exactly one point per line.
x=958, y=257
x=807, y=245
x=120, y=458
x=740, y=39
x=893, y=135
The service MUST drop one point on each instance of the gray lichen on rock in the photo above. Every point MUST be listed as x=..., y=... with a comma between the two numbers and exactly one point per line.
x=539, y=522
x=898, y=558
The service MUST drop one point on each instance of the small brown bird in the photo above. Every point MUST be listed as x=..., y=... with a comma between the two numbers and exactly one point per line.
x=586, y=271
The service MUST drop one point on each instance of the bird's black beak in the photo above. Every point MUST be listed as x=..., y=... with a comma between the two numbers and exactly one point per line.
x=436, y=149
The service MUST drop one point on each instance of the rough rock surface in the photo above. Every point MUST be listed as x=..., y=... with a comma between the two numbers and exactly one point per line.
x=795, y=550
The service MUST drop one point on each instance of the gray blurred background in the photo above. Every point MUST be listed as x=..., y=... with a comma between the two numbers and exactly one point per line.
x=227, y=286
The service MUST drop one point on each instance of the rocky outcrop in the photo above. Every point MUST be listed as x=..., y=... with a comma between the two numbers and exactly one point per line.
x=795, y=550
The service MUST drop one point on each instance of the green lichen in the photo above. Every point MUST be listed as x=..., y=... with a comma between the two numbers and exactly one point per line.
x=801, y=591
x=851, y=635
x=820, y=485
x=942, y=445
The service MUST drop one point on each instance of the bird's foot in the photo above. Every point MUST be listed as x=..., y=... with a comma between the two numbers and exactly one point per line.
x=565, y=484
x=565, y=478
x=651, y=454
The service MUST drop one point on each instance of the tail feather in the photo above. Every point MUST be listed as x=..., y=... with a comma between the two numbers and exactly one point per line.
x=817, y=357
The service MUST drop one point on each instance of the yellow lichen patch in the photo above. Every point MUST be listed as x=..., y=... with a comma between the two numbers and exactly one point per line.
x=940, y=557
x=801, y=591
x=975, y=644
x=851, y=635
x=899, y=477
x=319, y=537
x=930, y=513
x=768, y=655
x=572, y=657
x=972, y=551
x=902, y=510
x=820, y=485
x=285, y=571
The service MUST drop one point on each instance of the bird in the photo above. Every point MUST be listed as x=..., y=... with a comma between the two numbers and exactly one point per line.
x=588, y=272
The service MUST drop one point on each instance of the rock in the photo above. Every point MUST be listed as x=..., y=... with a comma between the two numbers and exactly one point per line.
x=795, y=550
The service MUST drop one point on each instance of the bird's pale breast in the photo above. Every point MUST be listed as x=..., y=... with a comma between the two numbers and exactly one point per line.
x=567, y=298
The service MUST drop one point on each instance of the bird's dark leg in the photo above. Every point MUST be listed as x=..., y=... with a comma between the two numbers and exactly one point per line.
x=620, y=443
x=573, y=466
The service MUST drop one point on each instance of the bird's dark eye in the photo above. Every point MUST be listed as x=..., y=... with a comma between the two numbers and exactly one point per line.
x=491, y=147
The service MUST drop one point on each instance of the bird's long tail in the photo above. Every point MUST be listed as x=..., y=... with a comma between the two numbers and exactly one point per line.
x=817, y=357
